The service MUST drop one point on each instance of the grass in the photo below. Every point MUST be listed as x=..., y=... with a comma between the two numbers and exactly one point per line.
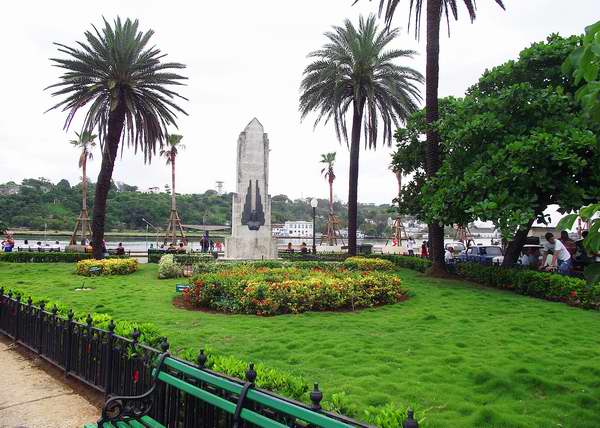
x=467, y=355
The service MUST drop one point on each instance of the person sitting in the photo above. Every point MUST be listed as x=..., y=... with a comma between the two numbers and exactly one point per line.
x=582, y=258
x=120, y=250
x=38, y=246
x=219, y=246
x=289, y=248
x=561, y=258
x=449, y=255
x=303, y=248
x=171, y=248
x=56, y=246
x=569, y=244
x=182, y=248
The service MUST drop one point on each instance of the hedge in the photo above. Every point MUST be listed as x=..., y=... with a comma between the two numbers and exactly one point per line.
x=319, y=257
x=181, y=258
x=544, y=285
x=43, y=257
x=107, y=266
x=408, y=262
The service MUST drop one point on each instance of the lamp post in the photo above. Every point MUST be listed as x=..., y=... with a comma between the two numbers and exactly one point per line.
x=313, y=204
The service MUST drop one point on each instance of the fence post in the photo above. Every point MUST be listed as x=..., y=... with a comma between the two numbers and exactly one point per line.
x=1, y=306
x=17, y=307
x=109, y=357
x=410, y=420
x=40, y=328
x=67, y=344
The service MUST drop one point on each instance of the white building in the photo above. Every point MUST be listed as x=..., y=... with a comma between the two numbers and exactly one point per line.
x=298, y=229
x=278, y=229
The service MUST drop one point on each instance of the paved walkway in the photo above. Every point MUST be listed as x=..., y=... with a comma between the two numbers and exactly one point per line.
x=31, y=398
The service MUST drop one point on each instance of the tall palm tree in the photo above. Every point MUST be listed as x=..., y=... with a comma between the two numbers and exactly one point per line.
x=125, y=85
x=356, y=68
x=436, y=9
x=85, y=142
x=170, y=152
x=329, y=159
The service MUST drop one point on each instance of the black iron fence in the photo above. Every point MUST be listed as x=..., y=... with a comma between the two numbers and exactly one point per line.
x=115, y=365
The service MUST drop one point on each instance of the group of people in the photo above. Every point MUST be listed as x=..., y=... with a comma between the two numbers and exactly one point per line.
x=8, y=245
x=411, y=246
x=559, y=255
x=303, y=248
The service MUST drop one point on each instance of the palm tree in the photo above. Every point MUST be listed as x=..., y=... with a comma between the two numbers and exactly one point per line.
x=125, y=85
x=329, y=159
x=435, y=10
x=356, y=68
x=170, y=153
x=85, y=142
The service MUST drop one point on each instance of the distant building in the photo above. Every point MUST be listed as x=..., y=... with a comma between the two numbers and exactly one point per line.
x=10, y=188
x=152, y=190
x=298, y=229
x=278, y=229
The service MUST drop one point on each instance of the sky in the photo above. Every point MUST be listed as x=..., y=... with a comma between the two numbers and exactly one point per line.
x=244, y=59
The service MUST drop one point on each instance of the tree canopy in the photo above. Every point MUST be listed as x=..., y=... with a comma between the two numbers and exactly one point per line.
x=516, y=143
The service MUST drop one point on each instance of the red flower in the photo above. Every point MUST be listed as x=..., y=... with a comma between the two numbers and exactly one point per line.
x=136, y=376
x=573, y=293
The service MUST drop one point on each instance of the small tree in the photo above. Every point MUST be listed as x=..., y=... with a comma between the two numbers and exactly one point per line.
x=85, y=142
x=329, y=159
x=170, y=154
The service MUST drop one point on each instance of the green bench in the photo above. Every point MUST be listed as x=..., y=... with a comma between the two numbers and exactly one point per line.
x=241, y=407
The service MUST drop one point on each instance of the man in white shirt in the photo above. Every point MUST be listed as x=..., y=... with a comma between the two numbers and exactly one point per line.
x=410, y=246
x=561, y=258
x=449, y=255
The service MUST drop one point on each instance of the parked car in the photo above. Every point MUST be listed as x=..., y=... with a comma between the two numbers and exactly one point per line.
x=483, y=254
x=458, y=247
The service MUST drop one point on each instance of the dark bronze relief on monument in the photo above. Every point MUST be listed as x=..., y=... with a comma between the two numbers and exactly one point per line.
x=253, y=216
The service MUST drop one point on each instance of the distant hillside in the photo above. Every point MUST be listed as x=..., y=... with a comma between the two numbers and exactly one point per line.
x=35, y=202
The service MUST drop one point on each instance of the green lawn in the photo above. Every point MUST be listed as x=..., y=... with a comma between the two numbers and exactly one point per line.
x=471, y=356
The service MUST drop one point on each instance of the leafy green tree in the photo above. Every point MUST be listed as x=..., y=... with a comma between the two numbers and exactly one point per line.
x=355, y=71
x=514, y=145
x=584, y=65
x=435, y=10
x=125, y=85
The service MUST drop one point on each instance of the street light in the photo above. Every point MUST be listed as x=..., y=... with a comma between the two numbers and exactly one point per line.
x=313, y=204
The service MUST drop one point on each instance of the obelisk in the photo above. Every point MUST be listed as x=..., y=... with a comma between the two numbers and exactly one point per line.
x=251, y=236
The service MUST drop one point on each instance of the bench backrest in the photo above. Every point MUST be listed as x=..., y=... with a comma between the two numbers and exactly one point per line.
x=194, y=381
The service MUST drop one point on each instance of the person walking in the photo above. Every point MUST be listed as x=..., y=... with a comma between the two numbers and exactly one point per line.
x=424, y=250
x=410, y=246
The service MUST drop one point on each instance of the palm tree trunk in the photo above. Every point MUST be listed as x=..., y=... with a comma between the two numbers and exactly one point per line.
x=353, y=181
x=432, y=157
x=330, y=196
x=173, y=201
x=116, y=120
x=84, y=220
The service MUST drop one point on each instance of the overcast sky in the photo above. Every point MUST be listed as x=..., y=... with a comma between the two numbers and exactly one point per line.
x=245, y=59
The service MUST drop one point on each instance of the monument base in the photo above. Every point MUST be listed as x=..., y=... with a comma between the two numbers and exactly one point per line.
x=250, y=249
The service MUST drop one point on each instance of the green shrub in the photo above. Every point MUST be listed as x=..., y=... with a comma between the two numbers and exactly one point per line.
x=408, y=262
x=154, y=256
x=544, y=285
x=107, y=266
x=168, y=268
x=322, y=257
x=248, y=289
x=43, y=257
x=368, y=264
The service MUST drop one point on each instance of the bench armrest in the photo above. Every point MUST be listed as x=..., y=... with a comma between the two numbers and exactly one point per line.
x=119, y=408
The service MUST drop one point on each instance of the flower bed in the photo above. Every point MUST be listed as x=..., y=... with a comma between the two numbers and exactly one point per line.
x=362, y=263
x=249, y=289
x=107, y=267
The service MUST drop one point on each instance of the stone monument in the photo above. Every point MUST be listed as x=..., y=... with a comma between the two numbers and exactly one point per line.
x=251, y=236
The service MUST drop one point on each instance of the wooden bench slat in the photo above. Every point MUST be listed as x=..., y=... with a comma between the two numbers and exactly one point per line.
x=257, y=396
x=219, y=402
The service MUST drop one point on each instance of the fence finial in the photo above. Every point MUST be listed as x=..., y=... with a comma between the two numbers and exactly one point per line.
x=315, y=397
x=251, y=373
x=410, y=421
x=201, y=359
x=164, y=345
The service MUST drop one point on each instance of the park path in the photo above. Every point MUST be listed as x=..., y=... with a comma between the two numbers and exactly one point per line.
x=31, y=398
